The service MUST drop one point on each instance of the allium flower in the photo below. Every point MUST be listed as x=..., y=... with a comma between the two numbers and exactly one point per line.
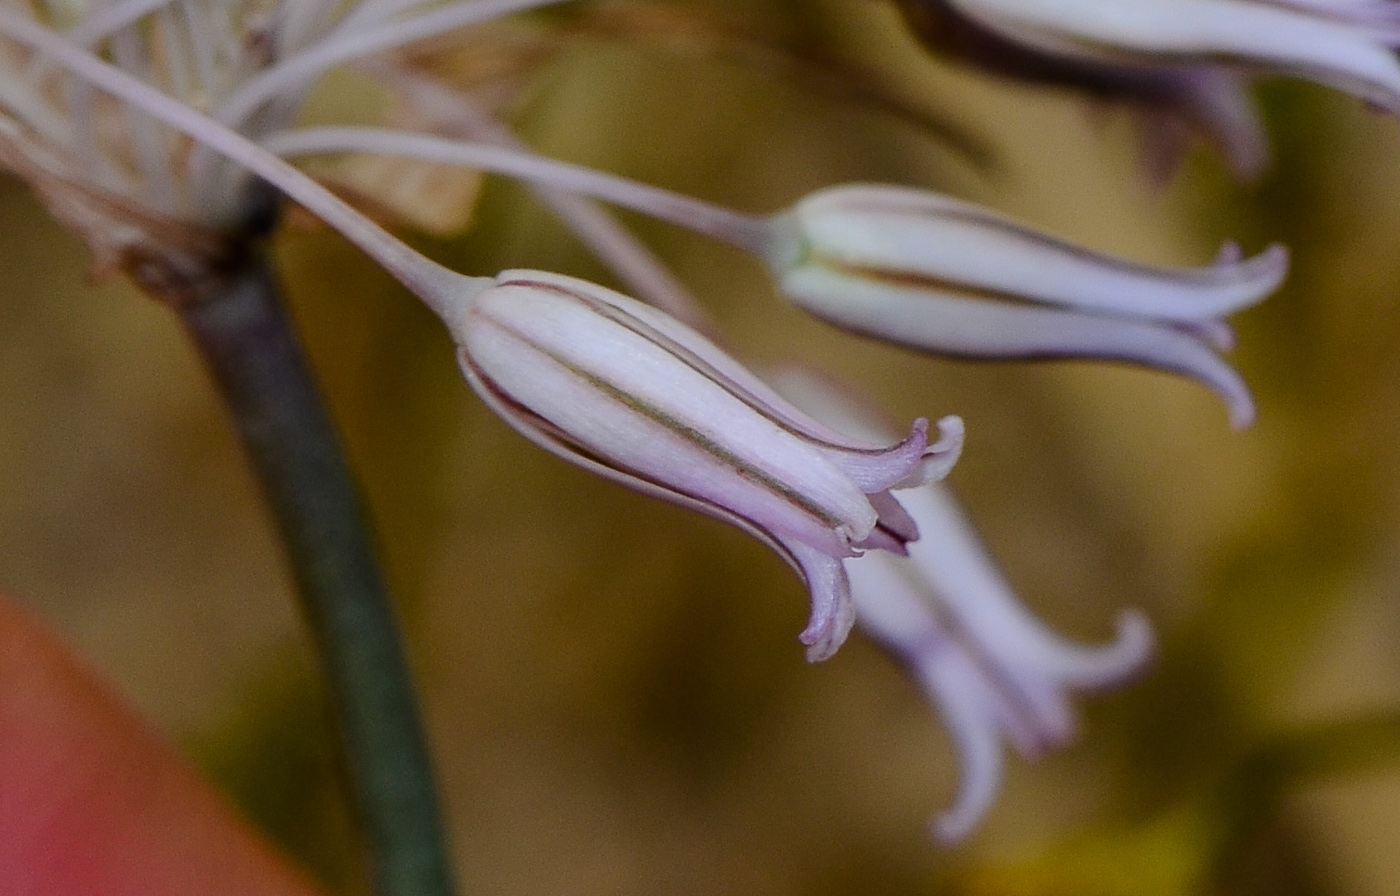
x=623, y=390
x=945, y=612
x=1186, y=61
x=941, y=275
x=626, y=391
x=920, y=269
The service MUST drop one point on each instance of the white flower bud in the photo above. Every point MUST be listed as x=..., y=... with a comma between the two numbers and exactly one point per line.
x=945, y=276
x=620, y=388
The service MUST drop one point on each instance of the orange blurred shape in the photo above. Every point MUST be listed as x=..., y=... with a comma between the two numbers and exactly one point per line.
x=94, y=802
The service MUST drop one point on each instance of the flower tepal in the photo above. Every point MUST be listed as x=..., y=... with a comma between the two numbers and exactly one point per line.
x=624, y=390
x=996, y=673
x=946, y=276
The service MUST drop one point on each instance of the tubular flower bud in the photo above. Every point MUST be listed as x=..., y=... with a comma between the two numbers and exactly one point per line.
x=944, y=611
x=945, y=276
x=1185, y=59
x=626, y=391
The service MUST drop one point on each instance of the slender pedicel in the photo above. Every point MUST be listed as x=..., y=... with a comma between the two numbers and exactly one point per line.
x=644, y=275
x=745, y=231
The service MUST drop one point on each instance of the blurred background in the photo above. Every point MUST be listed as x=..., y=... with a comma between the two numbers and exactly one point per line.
x=616, y=696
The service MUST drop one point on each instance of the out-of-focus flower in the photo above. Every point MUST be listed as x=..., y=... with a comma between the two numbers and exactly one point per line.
x=945, y=276
x=945, y=612
x=994, y=670
x=621, y=389
x=1188, y=62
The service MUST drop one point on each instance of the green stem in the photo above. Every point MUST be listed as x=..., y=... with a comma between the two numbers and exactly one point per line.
x=249, y=345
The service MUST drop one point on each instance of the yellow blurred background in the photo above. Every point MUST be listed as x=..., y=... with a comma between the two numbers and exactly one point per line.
x=616, y=697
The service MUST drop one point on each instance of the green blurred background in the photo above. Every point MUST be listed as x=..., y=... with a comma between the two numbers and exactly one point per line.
x=615, y=692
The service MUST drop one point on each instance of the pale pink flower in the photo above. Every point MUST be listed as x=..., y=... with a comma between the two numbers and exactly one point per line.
x=942, y=275
x=626, y=391
x=944, y=611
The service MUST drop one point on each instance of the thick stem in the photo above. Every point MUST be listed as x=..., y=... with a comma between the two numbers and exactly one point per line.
x=248, y=343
